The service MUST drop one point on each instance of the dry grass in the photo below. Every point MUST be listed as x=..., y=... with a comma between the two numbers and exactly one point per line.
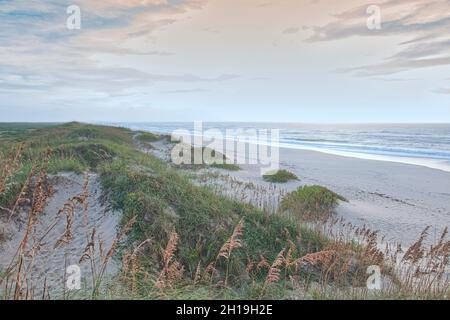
x=234, y=242
x=131, y=266
x=172, y=270
x=17, y=275
x=68, y=210
x=274, y=274
x=264, y=197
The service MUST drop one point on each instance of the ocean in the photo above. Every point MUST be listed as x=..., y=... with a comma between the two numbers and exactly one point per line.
x=418, y=144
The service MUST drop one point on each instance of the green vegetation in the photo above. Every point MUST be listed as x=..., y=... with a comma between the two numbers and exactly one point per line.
x=226, y=166
x=19, y=131
x=148, y=137
x=70, y=147
x=280, y=176
x=311, y=202
x=209, y=157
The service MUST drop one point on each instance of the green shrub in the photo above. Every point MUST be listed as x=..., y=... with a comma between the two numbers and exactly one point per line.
x=311, y=202
x=86, y=133
x=91, y=154
x=226, y=166
x=213, y=158
x=14, y=186
x=280, y=176
x=147, y=137
x=154, y=218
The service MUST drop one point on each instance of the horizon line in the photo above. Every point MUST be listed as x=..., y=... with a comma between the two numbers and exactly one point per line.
x=216, y=121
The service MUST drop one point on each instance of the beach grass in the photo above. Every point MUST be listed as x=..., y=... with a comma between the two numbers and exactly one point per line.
x=209, y=158
x=226, y=166
x=311, y=202
x=280, y=176
x=148, y=137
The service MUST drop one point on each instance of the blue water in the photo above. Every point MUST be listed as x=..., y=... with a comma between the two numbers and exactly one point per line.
x=394, y=142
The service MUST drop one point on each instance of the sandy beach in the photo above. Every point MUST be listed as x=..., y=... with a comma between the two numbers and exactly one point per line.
x=397, y=199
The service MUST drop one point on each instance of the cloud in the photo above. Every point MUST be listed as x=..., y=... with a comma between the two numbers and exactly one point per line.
x=41, y=56
x=107, y=80
x=396, y=66
x=424, y=23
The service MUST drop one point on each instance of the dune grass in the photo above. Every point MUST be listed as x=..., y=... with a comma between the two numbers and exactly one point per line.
x=208, y=158
x=311, y=202
x=148, y=137
x=280, y=176
x=226, y=166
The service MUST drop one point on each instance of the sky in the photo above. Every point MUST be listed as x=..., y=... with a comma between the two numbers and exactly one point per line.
x=225, y=60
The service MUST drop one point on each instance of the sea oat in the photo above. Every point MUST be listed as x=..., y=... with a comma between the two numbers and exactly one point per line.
x=197, y=275
x=273, y=275
x=233, y=242
x=416, y=251
x=172, y=270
